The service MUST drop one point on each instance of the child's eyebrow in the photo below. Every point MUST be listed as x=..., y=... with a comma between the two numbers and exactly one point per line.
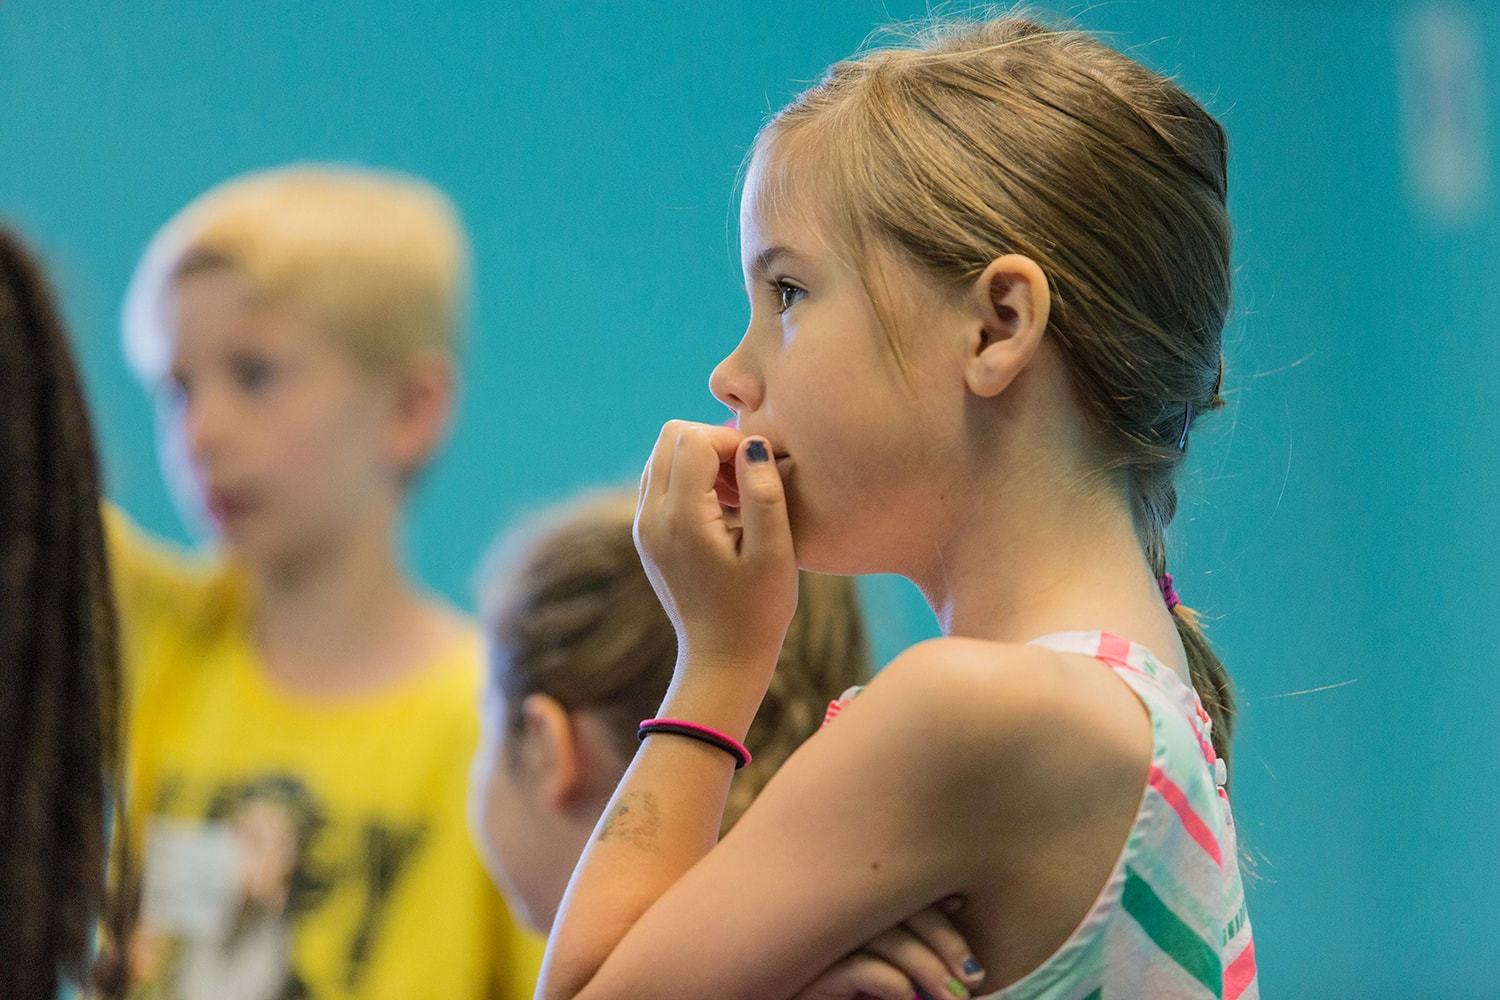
x=762, y=261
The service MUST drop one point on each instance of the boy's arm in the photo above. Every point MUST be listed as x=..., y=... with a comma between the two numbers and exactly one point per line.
x=152, y=582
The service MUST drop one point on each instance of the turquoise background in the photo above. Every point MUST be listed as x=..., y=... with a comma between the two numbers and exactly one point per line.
x=1340, y=517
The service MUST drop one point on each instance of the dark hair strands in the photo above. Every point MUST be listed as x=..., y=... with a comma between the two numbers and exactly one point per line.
x=60, y=761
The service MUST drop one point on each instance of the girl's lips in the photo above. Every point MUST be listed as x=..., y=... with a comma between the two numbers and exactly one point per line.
x=727, y=487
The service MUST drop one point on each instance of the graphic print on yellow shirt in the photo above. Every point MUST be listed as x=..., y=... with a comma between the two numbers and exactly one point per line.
x=294, y=846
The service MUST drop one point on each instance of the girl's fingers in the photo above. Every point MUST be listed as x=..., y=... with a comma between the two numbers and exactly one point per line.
x=676, y=438
x=937, y=932
x=861, y=976
x=698, y=454
x=763, y=513
x=658, y=472
x=923, y=966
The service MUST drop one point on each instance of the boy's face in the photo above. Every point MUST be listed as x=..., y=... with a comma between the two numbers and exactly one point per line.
x=271, y=430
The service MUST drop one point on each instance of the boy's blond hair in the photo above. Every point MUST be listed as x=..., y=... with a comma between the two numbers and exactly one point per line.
x=570, y=614
x=380, y=256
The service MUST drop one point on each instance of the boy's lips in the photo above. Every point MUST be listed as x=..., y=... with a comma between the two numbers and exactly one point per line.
x=229, y=505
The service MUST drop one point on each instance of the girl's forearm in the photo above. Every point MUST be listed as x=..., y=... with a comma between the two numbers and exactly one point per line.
x=664, y=817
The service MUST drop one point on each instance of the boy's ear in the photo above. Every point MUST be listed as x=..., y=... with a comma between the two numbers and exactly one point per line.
x=423, y=408
x=1010, y=303
x=551, y=753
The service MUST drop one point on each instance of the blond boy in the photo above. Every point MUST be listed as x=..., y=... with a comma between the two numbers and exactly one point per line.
x=301, y=712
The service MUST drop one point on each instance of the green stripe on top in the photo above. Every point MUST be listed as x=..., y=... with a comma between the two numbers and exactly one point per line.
x=1235, y=925
x=1096, y=994
x=1170, y=934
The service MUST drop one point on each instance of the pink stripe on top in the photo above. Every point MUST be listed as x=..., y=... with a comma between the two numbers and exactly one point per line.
x=1241, y=973
x=1195, y=826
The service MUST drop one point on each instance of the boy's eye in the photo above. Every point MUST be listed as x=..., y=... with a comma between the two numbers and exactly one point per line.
x=788, y=293
x=252, y=374
x=175, y=388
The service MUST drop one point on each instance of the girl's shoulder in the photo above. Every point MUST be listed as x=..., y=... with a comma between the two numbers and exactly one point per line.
x=1017, y=686
x=1036, y=722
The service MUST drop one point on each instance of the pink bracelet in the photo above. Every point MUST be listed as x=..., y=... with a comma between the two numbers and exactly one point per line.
x=701, y=733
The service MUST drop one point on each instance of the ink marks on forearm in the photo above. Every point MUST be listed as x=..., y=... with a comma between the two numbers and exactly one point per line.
x=635, y=820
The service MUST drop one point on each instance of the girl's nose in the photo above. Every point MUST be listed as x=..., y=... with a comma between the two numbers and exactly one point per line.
x=735, y=384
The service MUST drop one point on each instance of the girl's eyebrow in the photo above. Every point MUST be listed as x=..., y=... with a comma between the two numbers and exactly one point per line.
x=762, y=261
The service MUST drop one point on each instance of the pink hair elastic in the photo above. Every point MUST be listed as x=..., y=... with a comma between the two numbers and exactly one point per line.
x=1169, y=592
x=696, y=731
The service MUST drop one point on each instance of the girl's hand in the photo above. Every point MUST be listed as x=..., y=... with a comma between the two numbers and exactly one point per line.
x=923, y=957
x=728, y=584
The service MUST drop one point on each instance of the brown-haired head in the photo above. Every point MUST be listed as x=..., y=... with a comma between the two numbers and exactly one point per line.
x=571, y=614
x=59, y=681
x=1006, y=136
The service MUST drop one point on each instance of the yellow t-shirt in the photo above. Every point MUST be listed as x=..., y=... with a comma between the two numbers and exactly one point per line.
x=295, y=847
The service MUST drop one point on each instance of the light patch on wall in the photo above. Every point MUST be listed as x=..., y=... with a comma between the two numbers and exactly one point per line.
x=1442, y=97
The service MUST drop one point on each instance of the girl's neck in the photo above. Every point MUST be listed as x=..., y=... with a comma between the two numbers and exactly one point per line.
x=1035, y=561
x=345, y=619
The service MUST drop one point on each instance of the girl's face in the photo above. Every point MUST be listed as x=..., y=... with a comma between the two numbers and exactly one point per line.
x=267, y=837
x=503, y=817
x=815, y=374
x=527, y=814
x=271, y=432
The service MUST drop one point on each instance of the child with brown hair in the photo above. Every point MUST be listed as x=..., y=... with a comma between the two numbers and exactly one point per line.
x=581, y=651
x=301, y=711
x=988, y=272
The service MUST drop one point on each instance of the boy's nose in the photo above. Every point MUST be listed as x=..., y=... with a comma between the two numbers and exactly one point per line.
x=205, y=427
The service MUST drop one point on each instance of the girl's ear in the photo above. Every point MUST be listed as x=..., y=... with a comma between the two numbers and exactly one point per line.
x=550, y=754
x=1010, y=302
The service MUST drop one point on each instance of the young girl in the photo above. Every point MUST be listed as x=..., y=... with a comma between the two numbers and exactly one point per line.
x=987, y=276
x=59, y=679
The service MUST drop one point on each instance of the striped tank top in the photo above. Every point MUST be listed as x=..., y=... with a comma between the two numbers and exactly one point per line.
x=1170, y=923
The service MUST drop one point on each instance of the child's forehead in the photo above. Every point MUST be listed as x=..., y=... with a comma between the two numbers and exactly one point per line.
x=784, y=233
x=792, y=198
x=778, y=196
x=223, y=307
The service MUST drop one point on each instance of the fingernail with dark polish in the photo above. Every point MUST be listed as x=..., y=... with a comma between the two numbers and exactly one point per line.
x=972, y=968
x=756, y=451
x=921, y=994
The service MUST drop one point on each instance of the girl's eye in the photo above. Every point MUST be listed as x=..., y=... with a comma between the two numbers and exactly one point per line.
x=252, y=374
x=788, y=293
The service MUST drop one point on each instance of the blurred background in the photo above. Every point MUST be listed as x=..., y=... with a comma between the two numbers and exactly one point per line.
x=1340, y=517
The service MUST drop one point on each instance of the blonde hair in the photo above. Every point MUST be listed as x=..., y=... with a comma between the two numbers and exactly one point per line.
x=380, y=256
x=978, y=139
x=571, y=614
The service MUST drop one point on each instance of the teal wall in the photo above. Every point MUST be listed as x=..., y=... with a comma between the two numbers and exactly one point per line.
x=1340, y=516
